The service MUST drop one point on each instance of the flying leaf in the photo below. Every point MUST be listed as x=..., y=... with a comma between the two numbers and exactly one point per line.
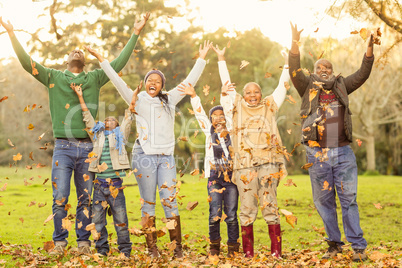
x=290, y=99
x=196, y=133
x=48, y=246
x=218, y=191
x=49, y=218
x=41, y=136
x=354, y=32
x=10, y=143
x=34, y=70
x=17, y=157
x=2, y=189
x=313, y=93
x=191, y=111
x=66, y=224
x=244, y=64
x=290, y=183
x=86, y=177
x=359, y=142
x=287, y=86
x=267, y=75
x=363, y=33
x=102, y=167
x=377, y=206
x=313, y=144
x=4, y=98
x=325, y=186
x=113, y=191
x=67, y=106
x=195, y=172
x=290, y=218
x=228, y=45
x=30, y=127
x=316, y=30
x=206, y=90
x=307, y=166
x=191, y=205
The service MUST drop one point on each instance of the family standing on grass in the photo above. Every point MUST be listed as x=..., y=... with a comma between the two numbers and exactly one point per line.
x=244, y=154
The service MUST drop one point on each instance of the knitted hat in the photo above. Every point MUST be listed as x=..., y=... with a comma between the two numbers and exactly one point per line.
x=155, y=71
x=213, y=109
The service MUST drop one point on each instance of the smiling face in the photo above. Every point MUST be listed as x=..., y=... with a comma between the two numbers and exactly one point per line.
x=218, y=120
x=76, y=57
x=153, y=85
x=252, y=93
x=323, y=68
x=111, y=123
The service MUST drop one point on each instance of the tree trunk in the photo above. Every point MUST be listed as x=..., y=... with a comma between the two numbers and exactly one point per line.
x=370, y=147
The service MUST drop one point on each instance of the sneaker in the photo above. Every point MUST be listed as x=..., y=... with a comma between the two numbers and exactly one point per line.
x=84, y=250
x=57, y=250
x=359, y=255
x=333, y=249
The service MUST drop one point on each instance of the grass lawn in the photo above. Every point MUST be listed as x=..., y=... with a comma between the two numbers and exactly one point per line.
x=22, y=220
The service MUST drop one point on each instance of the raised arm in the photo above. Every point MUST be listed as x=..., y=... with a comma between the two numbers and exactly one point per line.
x=279, y=94
x=121, y=61
x=194, y=75
x=35, y=69
x=200, y=115
x=354, y=81
x=86, y=114
x=299, y=80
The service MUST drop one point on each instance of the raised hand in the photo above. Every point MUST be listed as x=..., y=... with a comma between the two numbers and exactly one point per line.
x=187, y=90
x=77, y=89
x=370, y=45
x=295, y=38
x=94, y=53
x=204, y=50
x=134, y=99
x=219, y=52
x=139, y=24
x=227, y=87
x=8, y=26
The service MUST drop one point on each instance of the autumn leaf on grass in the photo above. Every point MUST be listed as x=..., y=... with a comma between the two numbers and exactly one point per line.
x=290, y=183
x=17, y=157
x=206, y=90
x=359, y=142
x=307, y=166
x=290, y=218
x=376, y=256
x=313, y=144
x=267, y=75
x=195, y=172
x=49, y=218
x=377, y=206
x=191, y=205
x=244, y=64
x=102, y=167
x=48, y=245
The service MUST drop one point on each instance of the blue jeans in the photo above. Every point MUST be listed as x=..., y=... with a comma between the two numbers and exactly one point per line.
x=119, y=211
x=229, y=197
x=336, y=171
x=69, y=156
x=153, y=171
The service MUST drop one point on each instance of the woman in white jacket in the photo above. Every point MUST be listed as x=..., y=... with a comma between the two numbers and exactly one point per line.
x=153, y=161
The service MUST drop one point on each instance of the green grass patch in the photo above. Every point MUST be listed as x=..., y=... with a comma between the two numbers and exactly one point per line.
x=23, y=220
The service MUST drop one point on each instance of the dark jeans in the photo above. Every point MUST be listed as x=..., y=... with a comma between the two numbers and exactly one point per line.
x=69, y=156
x=338, y=172
x=118, y=207
x=229, y=198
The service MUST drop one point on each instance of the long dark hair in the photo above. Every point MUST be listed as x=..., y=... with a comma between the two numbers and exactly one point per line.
x=163, y=97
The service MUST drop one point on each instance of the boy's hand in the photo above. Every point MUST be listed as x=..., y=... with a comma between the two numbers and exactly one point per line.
x=94, y=53
x=134, y=99
x=139, y=24
x=204, y=50
x=219, y=52
x=187, y=90
x=77, y=89
x=227, y=87
x=8, y=26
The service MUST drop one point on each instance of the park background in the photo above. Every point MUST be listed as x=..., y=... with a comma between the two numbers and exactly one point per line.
x=254, y=31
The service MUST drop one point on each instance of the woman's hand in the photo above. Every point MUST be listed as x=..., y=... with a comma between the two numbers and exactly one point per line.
x=219, y=52
x=134, y=99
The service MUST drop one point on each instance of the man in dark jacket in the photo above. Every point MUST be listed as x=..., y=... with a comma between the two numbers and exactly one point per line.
x=326, y=134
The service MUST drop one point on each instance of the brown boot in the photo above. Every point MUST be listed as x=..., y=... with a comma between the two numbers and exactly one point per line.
x=274, y=231
x=215, y=247
x=232, y=249
x=151, y=237
x=175, y=235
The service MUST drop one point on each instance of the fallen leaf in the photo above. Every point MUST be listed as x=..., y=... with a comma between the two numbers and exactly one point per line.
x=17, y=157
x=377, y=206
x=267, y=75
x=359, y=142
x=48, y=246
x=191, y=205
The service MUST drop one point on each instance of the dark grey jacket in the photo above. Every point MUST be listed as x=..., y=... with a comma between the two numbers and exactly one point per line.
x=341, y=86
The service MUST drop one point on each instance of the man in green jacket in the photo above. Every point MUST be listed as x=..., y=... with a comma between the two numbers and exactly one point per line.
x=72, y=144
x=326, y=134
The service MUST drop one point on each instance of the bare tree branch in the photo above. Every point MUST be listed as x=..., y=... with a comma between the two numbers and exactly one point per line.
x=394, y=24
x=52, y=11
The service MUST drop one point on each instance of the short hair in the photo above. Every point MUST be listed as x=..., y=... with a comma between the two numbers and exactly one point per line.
x=251, y=83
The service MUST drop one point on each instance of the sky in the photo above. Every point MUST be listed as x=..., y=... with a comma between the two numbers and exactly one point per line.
x=272, y=17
